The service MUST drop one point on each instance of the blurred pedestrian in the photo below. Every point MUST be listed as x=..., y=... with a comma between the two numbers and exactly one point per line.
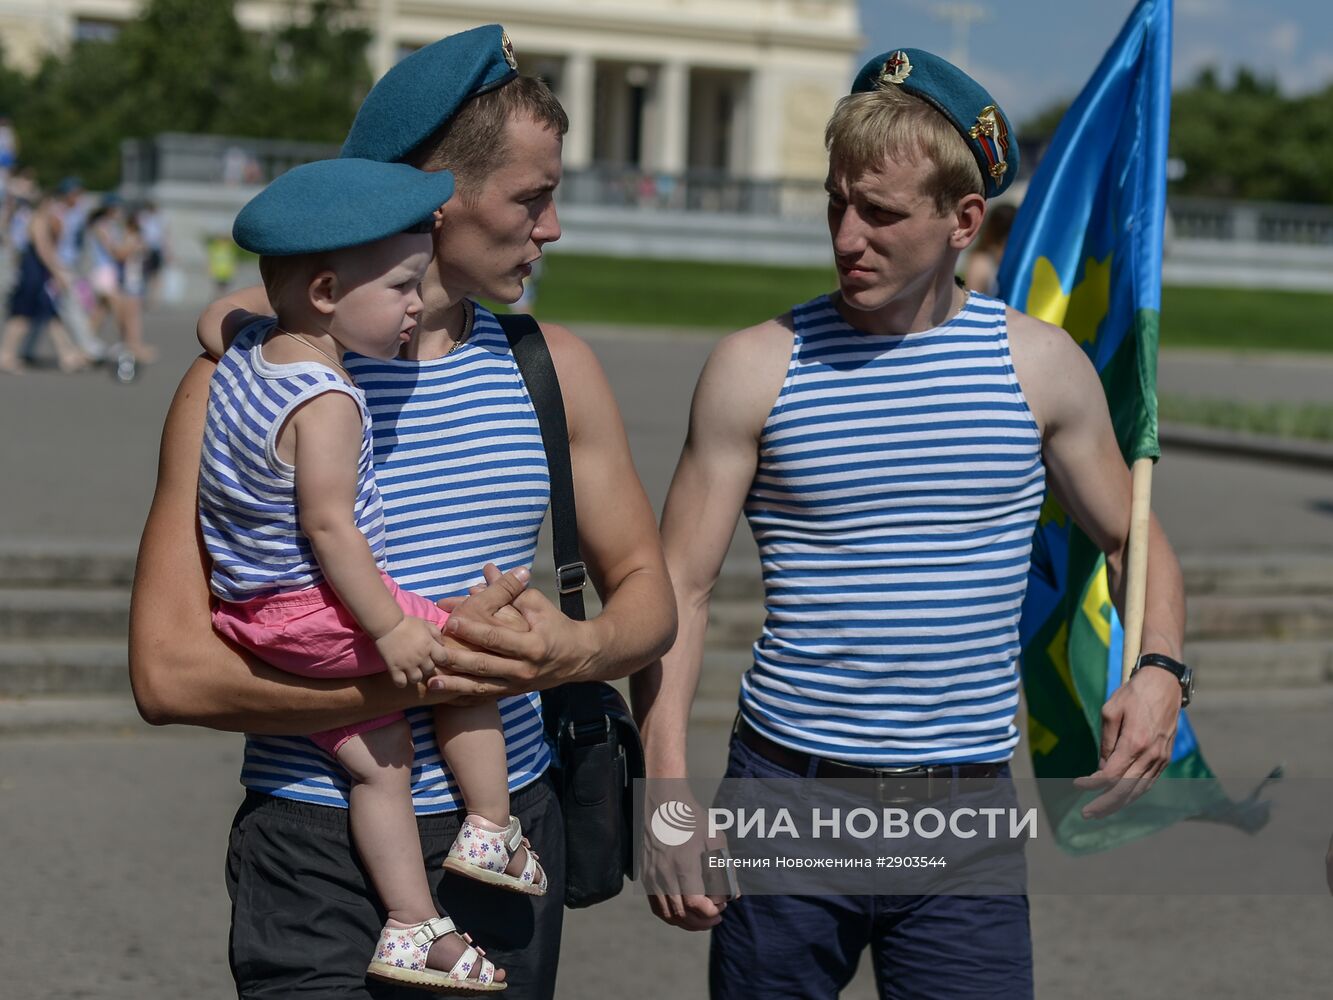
x=131, y=287
x=152, y=230
x=9, y=153
x=42, y=279
x=527, y=302
x=77, y=300
x=103, y=238
x=983, y=263
x=221, y=263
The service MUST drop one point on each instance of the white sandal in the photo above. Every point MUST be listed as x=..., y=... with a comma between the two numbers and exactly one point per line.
x=400, y=957
x=485, y=854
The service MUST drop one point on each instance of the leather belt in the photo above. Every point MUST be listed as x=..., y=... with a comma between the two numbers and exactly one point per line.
x=892, y=784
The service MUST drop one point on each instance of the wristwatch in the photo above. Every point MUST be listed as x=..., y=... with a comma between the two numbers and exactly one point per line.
x=1181, y=672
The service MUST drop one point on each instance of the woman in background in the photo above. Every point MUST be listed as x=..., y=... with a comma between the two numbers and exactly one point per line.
x=32, y=304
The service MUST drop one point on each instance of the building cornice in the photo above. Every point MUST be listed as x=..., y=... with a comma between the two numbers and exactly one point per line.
x=810, y=35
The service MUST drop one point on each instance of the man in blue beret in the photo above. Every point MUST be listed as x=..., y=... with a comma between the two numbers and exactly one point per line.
x=462, y=470
x=890, y=444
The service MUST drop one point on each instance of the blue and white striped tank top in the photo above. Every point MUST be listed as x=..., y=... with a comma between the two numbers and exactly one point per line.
x=899, y=482
x=247, y=494
x=459, y=461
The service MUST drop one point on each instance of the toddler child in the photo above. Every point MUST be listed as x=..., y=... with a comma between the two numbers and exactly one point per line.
x=292, y=519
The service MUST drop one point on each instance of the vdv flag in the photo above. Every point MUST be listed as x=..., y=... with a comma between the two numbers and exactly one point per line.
x=1085, y=253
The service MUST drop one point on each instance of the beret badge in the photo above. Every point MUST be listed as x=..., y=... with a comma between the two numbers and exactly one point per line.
x=897, y=68
x=508, y=47
x=993, y=138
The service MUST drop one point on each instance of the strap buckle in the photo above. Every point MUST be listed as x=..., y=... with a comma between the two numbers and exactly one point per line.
x=589, y=731
x=429, y=930
x=571, y=577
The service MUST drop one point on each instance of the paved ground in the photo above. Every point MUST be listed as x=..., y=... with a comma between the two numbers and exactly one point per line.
x=80, y=453
x=117, y=881
x=1255, y=378
x=112, y=867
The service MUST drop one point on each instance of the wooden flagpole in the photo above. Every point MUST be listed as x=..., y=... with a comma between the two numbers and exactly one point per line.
x=1136, y=584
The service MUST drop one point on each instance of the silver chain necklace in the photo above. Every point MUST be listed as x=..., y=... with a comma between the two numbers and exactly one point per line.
x=315, y=347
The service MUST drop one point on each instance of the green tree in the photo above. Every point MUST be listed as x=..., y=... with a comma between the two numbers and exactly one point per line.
x=1241, y=140
x=184, y=63
x=314, y=77
x=1040, y=127
x=70, y=121
x=188, y=66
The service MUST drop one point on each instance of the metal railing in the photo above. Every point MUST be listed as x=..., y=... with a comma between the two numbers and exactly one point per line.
x=710, y=191
x=1251, y=221
x=228, y=160
x=213, y=159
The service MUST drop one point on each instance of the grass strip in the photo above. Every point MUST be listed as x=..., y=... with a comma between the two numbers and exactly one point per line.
x=721, y=296
x=1304, y=421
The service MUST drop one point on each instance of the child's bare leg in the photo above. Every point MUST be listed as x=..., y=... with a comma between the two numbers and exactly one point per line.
x=472, y=741
x=384, y=831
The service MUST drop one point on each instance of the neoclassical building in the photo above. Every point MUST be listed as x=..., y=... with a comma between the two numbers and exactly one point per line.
x=740, y=88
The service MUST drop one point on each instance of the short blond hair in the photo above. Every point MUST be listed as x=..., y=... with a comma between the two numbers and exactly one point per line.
x=868, y=128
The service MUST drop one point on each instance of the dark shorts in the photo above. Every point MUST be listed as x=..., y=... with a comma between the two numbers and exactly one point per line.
x=305, y=920
x=920, y=946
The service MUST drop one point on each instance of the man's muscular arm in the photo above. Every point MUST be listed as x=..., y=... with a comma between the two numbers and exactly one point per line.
x=181, y=671
x=1087, y=475
x=736, y=391
x=734, y=395
x=618, y=540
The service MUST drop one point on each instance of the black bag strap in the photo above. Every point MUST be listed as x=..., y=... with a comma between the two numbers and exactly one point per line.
x=538, y=370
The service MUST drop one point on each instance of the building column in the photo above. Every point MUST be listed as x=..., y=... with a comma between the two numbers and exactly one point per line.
x=384, y=48
x=576, y=95
x=673, y=100
x=765, y=119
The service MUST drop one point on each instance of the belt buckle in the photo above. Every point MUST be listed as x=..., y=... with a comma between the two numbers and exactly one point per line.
x=889, y=785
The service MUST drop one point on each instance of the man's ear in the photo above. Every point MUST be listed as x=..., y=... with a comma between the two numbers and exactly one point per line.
x=968, y=213
x=323, y=292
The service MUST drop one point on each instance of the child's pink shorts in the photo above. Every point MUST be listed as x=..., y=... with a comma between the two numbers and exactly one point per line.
x=310, y=633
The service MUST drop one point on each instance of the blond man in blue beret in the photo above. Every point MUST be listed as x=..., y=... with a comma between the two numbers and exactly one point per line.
x=890, y=444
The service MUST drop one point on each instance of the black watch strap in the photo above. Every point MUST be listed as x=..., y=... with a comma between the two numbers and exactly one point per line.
x=1177, y=669
x=1164, y=661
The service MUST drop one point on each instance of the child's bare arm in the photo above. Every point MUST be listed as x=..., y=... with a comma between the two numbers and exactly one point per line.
x=181, y=670
x=326, y=433
x=222, y=320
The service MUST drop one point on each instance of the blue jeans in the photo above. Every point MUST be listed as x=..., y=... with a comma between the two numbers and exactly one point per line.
x=922, y=946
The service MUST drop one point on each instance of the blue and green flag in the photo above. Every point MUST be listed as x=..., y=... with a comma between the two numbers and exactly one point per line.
x=1085, y=253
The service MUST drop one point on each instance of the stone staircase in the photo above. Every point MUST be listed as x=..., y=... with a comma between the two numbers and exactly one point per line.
x=1255, y=621
x=64, y=619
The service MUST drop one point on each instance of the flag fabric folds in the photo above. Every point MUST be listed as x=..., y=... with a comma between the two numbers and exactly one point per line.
x=1085, y=253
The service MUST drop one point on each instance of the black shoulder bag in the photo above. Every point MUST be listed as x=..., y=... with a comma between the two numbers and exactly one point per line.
x=595, y=745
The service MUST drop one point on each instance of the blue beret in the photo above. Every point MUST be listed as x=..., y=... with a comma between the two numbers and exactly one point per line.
x=426, y=89
x=958, y=97
x=332, y=204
